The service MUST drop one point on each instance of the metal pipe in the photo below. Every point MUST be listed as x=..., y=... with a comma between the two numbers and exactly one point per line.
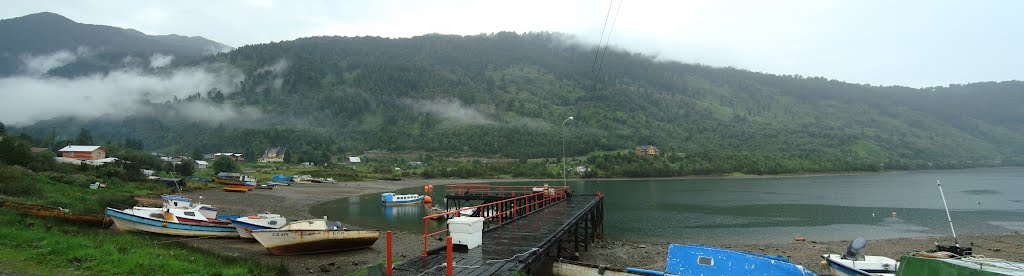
x=947, y=213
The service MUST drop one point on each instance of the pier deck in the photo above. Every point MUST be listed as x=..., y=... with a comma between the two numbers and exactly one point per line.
x=518, y=245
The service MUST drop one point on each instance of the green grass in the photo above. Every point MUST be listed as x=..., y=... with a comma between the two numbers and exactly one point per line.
x=63, y=249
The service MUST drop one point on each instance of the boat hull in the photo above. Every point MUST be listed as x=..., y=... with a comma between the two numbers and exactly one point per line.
x=51, y=212
x=128, y=222
x=245, y=229
x=227, y=181
x=839, y=267
x=292, y=242
x=236, y=189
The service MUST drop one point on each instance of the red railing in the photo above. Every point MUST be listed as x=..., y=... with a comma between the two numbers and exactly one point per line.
x=502, y=211
x=492, y=190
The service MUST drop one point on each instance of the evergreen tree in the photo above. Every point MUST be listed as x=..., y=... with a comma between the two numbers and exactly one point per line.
x=84, y=137
x=224, y=164
x=186, y=168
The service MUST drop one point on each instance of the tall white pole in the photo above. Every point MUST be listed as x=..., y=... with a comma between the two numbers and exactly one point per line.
x=947, y=213
x=564, y=177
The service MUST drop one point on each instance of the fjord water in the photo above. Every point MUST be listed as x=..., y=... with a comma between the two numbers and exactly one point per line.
x=769, y=209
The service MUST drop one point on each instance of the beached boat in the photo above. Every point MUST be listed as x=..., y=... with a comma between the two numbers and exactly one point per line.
x=314, y=236
x=236, y=188
x=267, y=186
x=695, y=259
x=848, y=264
x=178, y=216
x=393, y=199
x=245, y=225
x=910, y=265
x=58, y=213
x=234, y=179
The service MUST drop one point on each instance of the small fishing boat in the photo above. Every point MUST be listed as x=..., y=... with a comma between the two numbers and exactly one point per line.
x=848, y=264
x=236, y=188
x=234, y=179
x=178, y=216
x=314, y=236
x=970, y=265
x=695, y=259
x=245, y=225
x=393, y=199
x=267, y=186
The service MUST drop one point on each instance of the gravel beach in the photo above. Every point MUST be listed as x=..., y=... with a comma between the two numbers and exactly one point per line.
x=295, y=201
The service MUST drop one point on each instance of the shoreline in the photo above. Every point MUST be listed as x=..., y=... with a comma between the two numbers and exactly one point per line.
x=296, y=201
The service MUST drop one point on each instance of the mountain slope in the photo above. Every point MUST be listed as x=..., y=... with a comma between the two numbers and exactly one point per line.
x=46, y=33
x=507, y=94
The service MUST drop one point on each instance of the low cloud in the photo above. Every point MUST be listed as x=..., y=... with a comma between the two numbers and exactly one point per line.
x=117, y=94
x=452, y=110
x=276, y=71
x=41, y=64
x=160, y=60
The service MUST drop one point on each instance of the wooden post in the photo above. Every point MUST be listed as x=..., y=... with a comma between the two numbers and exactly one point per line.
x=389, y=255
x=449, y=256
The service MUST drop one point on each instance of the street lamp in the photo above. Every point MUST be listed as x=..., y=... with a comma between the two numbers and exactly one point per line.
x=564, y=177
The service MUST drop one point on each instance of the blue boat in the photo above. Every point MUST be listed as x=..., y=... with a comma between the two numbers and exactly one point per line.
x=695, y=259
x=393, y=199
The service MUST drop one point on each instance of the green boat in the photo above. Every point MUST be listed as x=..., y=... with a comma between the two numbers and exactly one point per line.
x=968, y=266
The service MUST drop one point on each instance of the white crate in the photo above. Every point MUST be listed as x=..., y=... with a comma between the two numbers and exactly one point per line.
x=466, y=231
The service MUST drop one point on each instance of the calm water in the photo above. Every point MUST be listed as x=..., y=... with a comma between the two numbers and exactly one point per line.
x=989, y=200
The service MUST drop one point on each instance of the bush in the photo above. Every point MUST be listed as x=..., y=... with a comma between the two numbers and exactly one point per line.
x=14, y=182
x=70, y=179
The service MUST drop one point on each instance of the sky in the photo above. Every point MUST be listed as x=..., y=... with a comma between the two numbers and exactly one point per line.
x=909, y=43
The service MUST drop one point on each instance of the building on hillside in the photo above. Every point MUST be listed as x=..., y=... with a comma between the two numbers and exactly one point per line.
x=273, y=155
x=83, y=152
x=200, y=164
x=234, y=156
x=646, y=150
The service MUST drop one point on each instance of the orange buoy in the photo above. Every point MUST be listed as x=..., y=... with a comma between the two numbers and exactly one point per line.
x=426, y=188
x=427, y=199
x=799, y=239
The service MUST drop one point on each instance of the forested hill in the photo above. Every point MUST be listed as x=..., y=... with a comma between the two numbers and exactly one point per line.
x=507, y=94
x=99, y=47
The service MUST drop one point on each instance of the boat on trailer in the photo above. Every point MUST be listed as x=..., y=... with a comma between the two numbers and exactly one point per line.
x=393, y=199
x=314, y=236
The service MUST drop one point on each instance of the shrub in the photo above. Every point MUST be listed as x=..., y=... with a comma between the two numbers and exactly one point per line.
x=14, y=182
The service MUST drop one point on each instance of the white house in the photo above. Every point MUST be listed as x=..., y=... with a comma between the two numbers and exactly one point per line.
x=200, y=164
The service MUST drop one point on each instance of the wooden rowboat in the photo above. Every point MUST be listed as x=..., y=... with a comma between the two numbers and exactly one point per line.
x=53, y=212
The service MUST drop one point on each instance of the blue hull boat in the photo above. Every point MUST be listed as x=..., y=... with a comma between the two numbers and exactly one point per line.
x=695, y=259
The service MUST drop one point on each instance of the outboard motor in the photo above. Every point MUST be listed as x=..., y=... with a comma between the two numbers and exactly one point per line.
x=854, y=249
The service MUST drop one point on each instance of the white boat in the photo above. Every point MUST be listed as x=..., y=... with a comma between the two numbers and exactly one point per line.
x=848, y=264
x=244, y=225
x=179, y=216
x=314, y=236
x=393, y=199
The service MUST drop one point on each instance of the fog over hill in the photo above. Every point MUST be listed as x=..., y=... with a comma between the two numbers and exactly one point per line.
x=506, y=94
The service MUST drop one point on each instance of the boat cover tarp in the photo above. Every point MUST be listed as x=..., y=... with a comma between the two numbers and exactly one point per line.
x=281, y=178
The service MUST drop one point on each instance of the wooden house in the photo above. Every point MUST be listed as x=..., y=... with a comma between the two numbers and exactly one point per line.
x=83, y=152
x=273, y=155
x=646, y=150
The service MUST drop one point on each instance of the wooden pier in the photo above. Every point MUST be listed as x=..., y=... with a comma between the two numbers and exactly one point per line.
x=526, y=230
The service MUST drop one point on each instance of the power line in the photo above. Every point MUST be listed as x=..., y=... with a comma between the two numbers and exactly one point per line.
x=593, y=67
x=604, y=53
